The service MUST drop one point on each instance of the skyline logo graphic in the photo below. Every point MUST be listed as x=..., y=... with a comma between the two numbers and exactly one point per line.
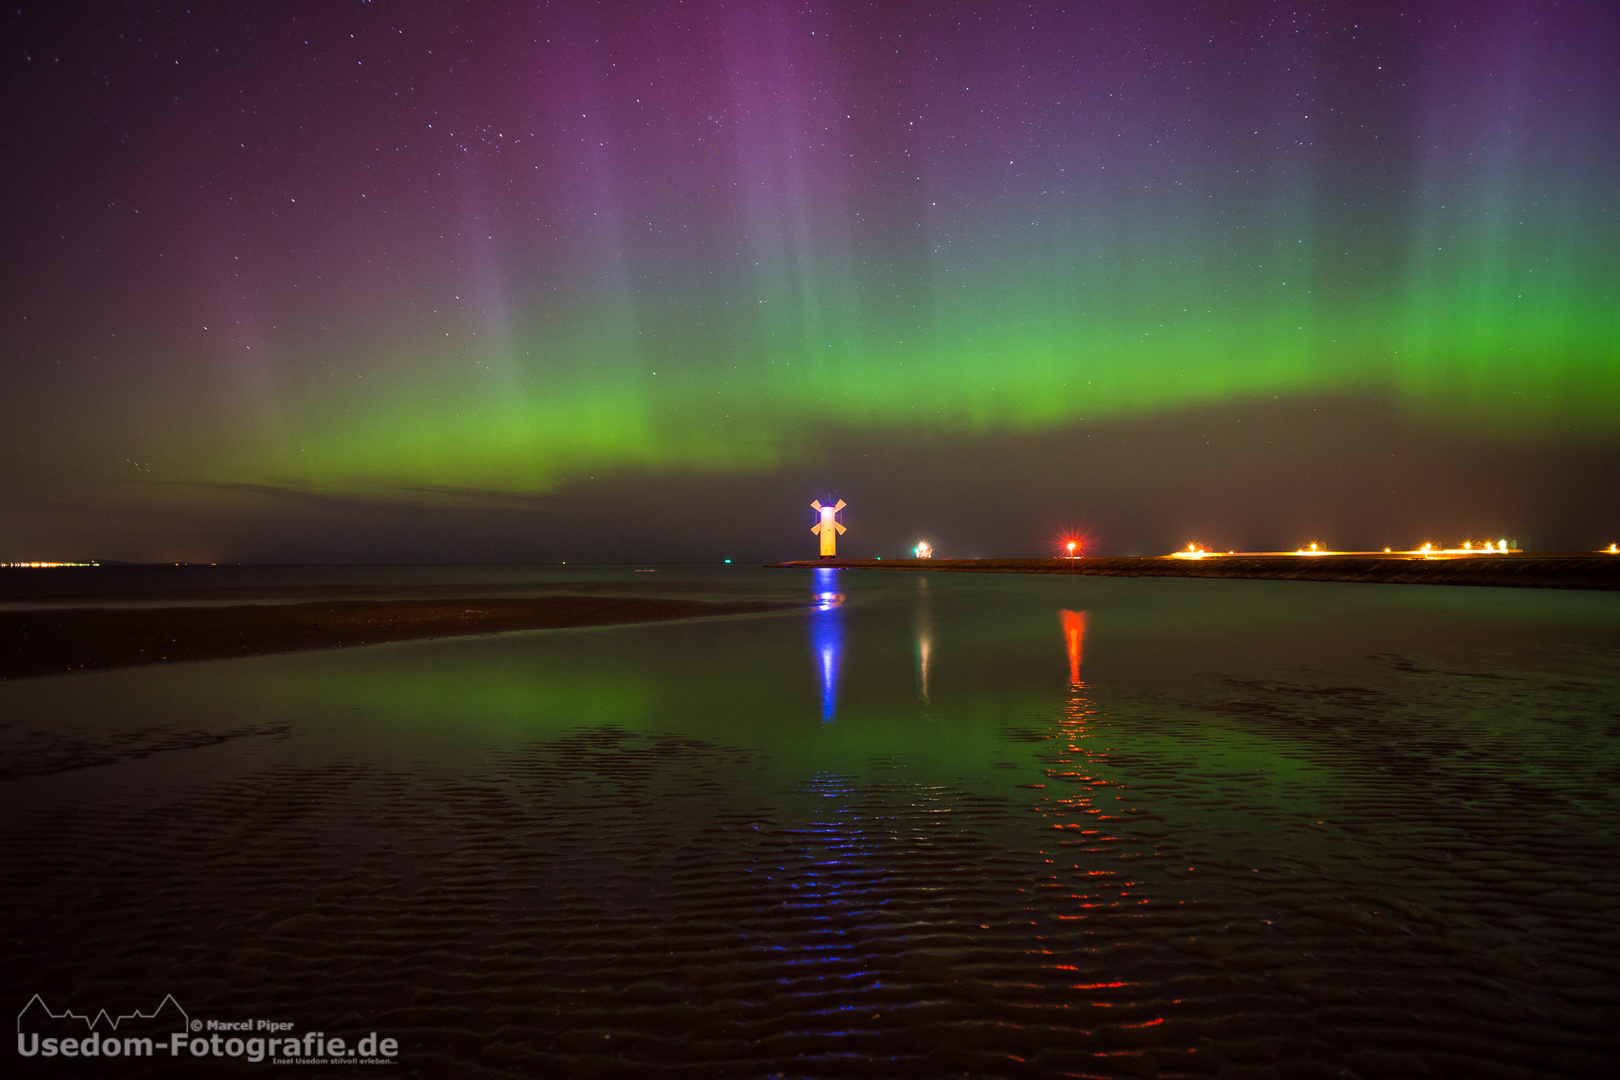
x=46, y=1032
x=167, y=1007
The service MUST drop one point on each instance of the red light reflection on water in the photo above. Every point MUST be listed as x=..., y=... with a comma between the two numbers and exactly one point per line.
x=1074, y=636
x=1080, y=825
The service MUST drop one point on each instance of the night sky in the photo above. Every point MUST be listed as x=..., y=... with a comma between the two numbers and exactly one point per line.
x=378, y=282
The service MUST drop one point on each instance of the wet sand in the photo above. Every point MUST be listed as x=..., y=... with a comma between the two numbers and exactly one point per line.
x=1403, y=864
x=54, y=641
x=1539, y=571
x=612, y=904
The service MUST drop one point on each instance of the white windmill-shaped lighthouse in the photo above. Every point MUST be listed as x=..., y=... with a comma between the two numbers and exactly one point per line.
x=828, y=527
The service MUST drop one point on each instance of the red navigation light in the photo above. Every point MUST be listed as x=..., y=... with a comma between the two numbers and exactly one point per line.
x=1071, y=544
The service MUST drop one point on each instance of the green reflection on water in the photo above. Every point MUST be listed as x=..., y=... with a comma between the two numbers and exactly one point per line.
x=958, y=680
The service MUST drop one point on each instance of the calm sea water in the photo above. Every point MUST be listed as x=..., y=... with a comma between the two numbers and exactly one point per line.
x=930, y=825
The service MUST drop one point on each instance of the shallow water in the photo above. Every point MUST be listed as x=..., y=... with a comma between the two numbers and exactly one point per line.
x=935, y=824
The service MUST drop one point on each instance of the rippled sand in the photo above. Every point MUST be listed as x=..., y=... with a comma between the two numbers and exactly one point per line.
x=1419, y=878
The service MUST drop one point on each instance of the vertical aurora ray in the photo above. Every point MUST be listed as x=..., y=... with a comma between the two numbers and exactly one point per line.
x=575, y=243
x=1510, y=299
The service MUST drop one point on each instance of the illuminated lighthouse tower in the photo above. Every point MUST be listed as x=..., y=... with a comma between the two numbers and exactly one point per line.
x=828, y=527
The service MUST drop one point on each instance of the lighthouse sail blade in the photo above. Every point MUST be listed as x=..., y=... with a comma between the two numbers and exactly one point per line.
x=839, y=507
x=840, y=528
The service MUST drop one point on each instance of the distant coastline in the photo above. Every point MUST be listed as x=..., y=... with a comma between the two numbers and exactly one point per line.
x=1573, y=570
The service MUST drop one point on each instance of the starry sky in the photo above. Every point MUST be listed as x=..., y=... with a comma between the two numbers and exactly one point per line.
x=362, y=281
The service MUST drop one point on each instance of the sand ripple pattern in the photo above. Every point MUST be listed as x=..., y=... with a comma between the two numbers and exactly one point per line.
x=1407, y=901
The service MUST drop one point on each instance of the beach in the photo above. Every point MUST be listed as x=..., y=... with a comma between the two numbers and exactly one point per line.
x=926, y=825
x=918, y=825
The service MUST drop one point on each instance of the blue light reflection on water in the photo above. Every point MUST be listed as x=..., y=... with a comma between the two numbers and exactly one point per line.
x=843, y=884
x=827, y=638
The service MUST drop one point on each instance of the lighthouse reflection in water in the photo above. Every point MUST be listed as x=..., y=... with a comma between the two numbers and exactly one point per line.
x=827, y=647
x=827, y=638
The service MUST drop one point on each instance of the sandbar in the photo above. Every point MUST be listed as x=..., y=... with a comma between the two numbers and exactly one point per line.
x=49, y=641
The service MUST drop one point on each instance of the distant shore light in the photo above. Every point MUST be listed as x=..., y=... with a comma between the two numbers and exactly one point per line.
x=1316, y=550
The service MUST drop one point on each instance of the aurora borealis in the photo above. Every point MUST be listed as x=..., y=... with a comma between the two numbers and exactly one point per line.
x=350, y=279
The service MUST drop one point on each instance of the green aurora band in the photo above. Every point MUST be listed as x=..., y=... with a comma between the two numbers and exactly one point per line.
x=1494, y=330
